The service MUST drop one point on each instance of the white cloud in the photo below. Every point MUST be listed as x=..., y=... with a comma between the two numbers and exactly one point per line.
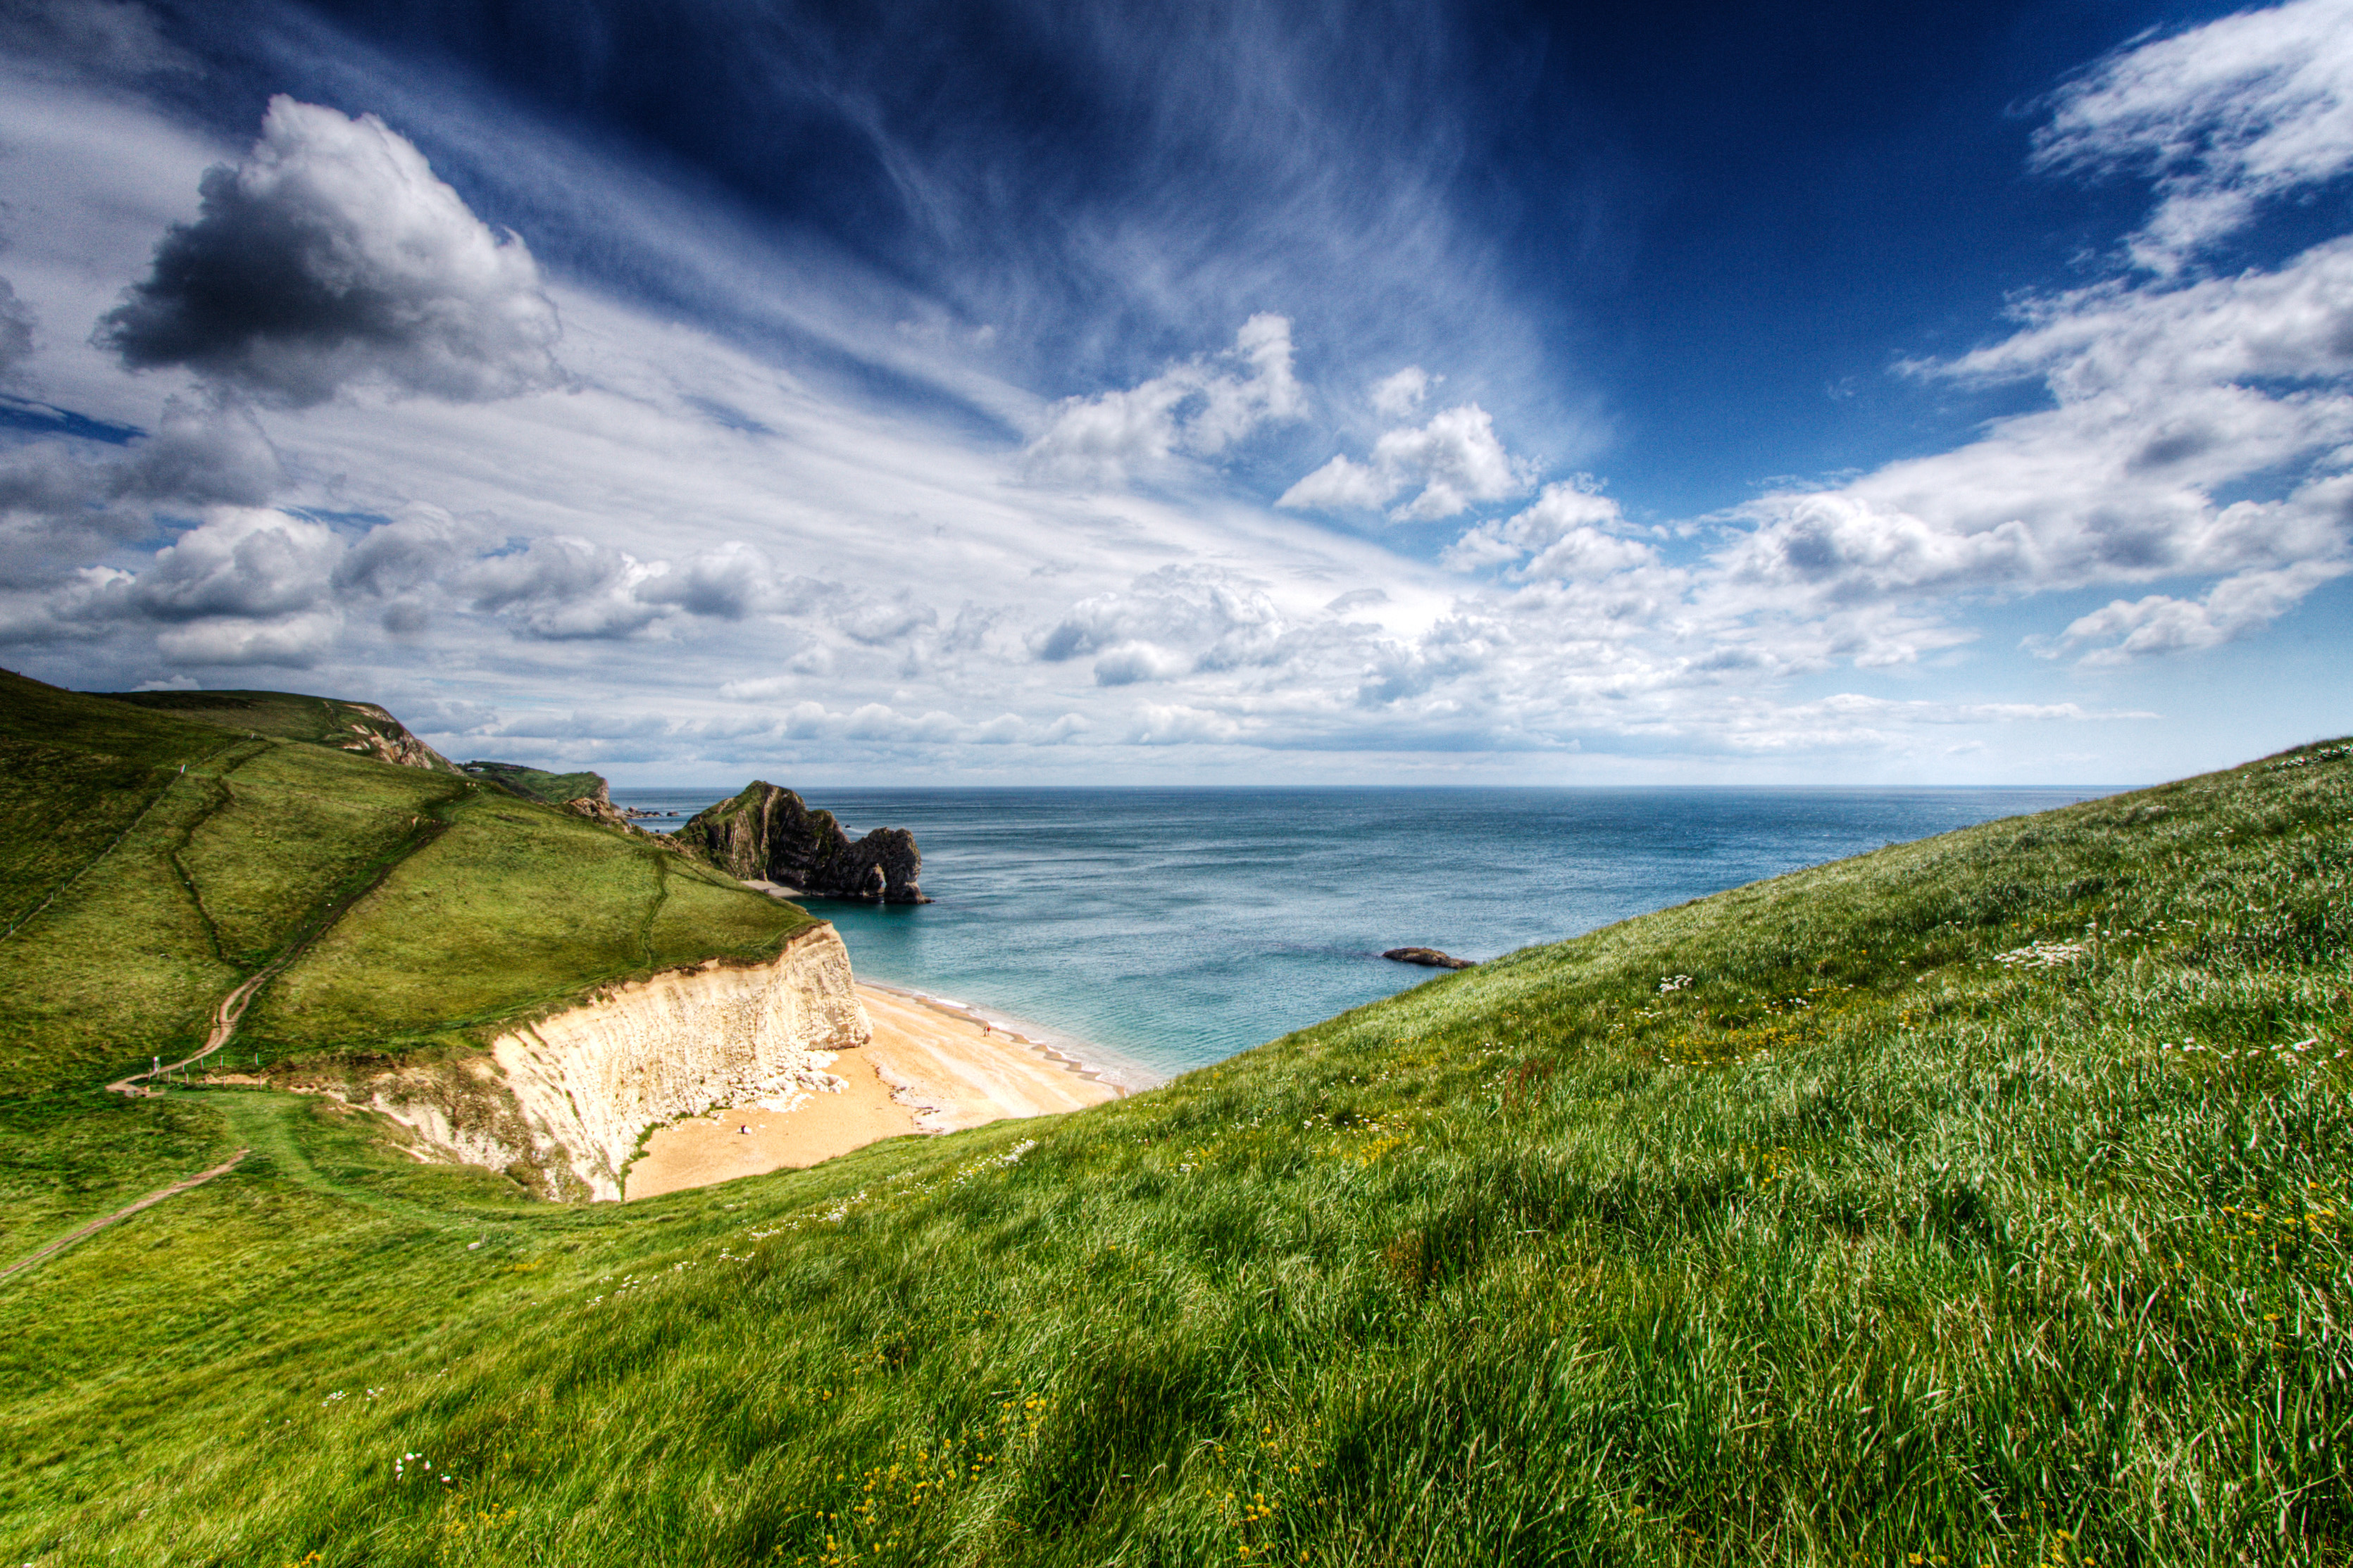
x=1455, y=458
x=295, y=642
x=331, y=255
x=2225, y=116
x=1165, y=622
x=1176, y=724
x=1397, y=396
x=1199, y=408
x=1572, y=533
x=561, y=588
x=2168, y=390
x=2233, y=608
x=1125, y=664
x=241, y=562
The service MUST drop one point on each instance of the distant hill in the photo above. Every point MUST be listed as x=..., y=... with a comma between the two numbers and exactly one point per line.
x=361, y=727
x=1979, y=1200
x=535, y=784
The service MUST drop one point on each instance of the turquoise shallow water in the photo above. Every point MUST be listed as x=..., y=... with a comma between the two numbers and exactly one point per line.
x=1167, y=929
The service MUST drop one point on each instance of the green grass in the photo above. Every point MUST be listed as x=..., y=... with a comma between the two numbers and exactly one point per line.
x=514, y=910
x=151, y=863
x=1862, y=1245
x=532, y=784
x=278, y=715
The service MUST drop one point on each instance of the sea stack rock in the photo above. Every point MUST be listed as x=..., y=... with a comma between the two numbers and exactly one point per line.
x=1428, y=957
x=768, y=835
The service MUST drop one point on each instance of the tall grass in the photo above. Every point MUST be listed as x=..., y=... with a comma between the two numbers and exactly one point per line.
x=1977, y=1201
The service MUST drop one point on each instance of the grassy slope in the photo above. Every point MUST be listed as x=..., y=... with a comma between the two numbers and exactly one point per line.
x=552, y=788
x=280, y=715
x=1863, y=1245
x=406, y=907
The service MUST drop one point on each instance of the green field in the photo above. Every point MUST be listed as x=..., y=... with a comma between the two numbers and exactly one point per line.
x=1977, y=1201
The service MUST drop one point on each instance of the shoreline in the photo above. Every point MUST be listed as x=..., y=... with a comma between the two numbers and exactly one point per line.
x=933, y=1064
x=1001, y=1028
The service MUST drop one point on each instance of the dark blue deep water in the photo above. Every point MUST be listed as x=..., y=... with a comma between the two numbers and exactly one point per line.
x=1166, y=929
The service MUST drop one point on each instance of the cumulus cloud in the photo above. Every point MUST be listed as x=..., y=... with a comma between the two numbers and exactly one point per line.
x=1573, y=533
x=1177, y=724
x=244, y=562
x=294, y=642
x=729, y=582
x=64, y=503
x=561, y=588
x=247, y=585
x=2230, y=610
x=331, y=255
x=1455, y=460
x=1397, y=396
x=1164, y=623
x=1200, y=409
x=2224, y=117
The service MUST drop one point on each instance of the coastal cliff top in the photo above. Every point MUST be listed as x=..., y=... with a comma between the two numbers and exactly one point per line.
x=157, y=854
x=359, y=727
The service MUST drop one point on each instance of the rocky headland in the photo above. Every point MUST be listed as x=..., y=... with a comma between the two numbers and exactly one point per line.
x=769, y=835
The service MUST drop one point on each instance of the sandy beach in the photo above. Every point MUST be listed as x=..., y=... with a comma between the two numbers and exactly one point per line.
x=932, y=1066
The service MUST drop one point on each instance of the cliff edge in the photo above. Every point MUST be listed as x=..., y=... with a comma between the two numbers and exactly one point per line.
x=769, y=835
x=562, y=1104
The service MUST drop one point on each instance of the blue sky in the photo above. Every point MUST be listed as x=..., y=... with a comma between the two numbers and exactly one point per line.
x=1274, y=392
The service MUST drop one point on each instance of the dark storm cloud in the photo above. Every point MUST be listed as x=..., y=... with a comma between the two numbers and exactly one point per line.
x=331, y=255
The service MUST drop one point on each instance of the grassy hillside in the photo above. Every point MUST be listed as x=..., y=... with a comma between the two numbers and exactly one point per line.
x=1981, y=1200
x=533, y=783
x=150, y=865
x=290, y=716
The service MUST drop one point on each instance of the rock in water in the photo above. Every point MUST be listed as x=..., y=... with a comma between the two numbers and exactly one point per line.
x=1428, y=957
x=768, y=835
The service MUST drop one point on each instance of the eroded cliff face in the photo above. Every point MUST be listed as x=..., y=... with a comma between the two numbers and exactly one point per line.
x=385, y=738
x=561, y=1105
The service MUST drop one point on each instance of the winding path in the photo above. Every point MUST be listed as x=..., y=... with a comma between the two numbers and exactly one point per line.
x=225, y=1017
x=158, y=1196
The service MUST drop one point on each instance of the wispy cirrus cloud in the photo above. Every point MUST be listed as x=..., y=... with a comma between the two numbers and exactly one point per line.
x=2224, y=118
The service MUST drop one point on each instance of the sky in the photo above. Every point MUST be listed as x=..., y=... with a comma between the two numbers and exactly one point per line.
x=1016, y=392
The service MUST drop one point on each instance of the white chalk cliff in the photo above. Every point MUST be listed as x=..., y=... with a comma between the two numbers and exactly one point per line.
x=564, y=1102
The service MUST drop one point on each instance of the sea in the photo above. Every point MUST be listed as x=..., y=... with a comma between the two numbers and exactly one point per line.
x=1150, y=931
